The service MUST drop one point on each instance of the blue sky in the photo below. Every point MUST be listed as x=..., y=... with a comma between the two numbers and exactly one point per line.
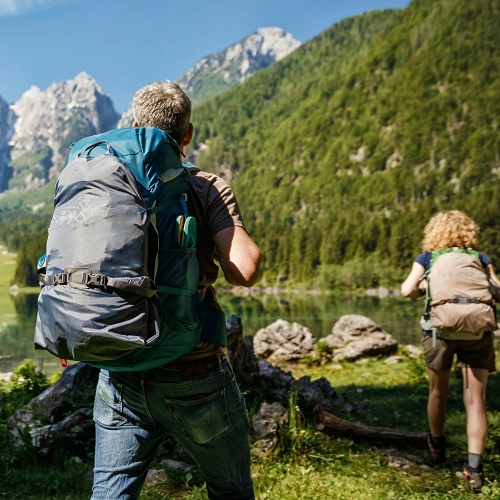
x=125, y=44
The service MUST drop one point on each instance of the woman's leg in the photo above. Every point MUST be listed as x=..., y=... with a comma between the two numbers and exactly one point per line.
x=475, y=380
x=439, y=385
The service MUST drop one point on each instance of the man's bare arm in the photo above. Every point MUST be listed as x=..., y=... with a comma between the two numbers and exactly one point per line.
x=239, y=256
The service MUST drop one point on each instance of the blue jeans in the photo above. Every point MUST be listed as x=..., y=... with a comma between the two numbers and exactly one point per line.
x=134, y=411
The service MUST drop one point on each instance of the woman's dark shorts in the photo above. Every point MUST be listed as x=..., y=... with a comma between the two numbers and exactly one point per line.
x=473, y=353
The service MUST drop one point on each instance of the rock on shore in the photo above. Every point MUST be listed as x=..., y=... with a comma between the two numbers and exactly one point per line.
x=355, y=336
x=283, y=341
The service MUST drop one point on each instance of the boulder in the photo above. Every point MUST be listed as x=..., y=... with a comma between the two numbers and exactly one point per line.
x=315, y=392
x=355, y=336
x=353, y=326
x=71, y=432
x=283, y=341
x=266, y=424
x=273, y=377
x=156, y=476
x=52, y=405
x=268, y=419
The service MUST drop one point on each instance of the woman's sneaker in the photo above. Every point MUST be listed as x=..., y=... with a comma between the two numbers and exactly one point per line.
x=438, y=451
x=473, y=478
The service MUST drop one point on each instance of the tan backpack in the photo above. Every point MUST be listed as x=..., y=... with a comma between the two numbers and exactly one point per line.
x=459, y=304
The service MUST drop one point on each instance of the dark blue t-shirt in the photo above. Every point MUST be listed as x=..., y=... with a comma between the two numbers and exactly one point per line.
x=424, y=259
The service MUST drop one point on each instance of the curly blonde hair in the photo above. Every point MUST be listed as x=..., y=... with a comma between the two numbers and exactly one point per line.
x=450, y=228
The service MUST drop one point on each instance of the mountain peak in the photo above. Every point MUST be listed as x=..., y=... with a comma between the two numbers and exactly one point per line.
x=46, y=122
x=276, y=41
x=85, y=79
x=218, y=72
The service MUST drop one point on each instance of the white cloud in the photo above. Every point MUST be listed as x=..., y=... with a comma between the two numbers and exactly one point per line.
x=15, y=7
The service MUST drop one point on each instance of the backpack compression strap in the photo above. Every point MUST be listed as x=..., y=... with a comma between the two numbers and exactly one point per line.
x=463, y=300
x=139, y=285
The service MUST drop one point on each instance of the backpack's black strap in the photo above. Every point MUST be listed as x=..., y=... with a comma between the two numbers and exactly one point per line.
x=139, y=285
x=463, y=300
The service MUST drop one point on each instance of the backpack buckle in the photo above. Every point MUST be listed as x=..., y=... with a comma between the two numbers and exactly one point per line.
x=94, y=279
x=60, y=279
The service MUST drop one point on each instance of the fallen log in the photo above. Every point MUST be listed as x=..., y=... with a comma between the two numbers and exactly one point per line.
x=331, y=424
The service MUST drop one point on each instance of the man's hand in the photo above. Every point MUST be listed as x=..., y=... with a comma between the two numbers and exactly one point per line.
x=238, y=255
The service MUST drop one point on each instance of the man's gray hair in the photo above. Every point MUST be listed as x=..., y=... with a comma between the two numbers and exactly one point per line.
x=163, y=105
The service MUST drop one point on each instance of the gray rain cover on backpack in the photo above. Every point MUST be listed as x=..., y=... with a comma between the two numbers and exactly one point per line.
x=98, y=300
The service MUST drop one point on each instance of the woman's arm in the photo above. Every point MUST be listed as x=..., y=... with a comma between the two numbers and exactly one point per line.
x=410, y=287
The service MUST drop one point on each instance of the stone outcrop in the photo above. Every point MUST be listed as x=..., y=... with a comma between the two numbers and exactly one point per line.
x=46, y=415
x=71, y=432
x=355, y=336
x=283, y=341
x=265, y=422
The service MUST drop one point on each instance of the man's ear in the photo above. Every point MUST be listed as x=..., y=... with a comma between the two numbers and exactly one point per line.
x=189, y=135
x=135, y=124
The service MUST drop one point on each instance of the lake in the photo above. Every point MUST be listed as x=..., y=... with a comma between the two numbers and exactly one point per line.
x=319, y=313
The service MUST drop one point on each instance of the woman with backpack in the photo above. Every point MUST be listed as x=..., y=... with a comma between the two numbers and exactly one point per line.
x=459, y=318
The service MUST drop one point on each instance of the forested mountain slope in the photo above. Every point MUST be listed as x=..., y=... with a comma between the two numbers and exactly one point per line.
x=341, y=152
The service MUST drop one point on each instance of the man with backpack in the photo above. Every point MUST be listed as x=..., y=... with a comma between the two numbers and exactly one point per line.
x=194, y=398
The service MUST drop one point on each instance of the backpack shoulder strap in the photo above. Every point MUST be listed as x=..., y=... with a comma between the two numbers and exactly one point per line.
x=192, y=168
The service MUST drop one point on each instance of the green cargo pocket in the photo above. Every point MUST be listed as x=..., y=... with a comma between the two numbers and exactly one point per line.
x=201, y=419
x=214, y=325
x=177, y=281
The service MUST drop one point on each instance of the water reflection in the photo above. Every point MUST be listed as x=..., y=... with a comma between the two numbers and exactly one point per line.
x=318, y=312
x=17, y=324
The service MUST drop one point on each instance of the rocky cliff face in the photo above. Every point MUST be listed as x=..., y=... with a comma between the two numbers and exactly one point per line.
x=219, y=72
x=7, y=118
x=47, y=122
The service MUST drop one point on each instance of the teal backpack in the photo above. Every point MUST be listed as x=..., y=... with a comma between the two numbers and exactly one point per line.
x=121, y=274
